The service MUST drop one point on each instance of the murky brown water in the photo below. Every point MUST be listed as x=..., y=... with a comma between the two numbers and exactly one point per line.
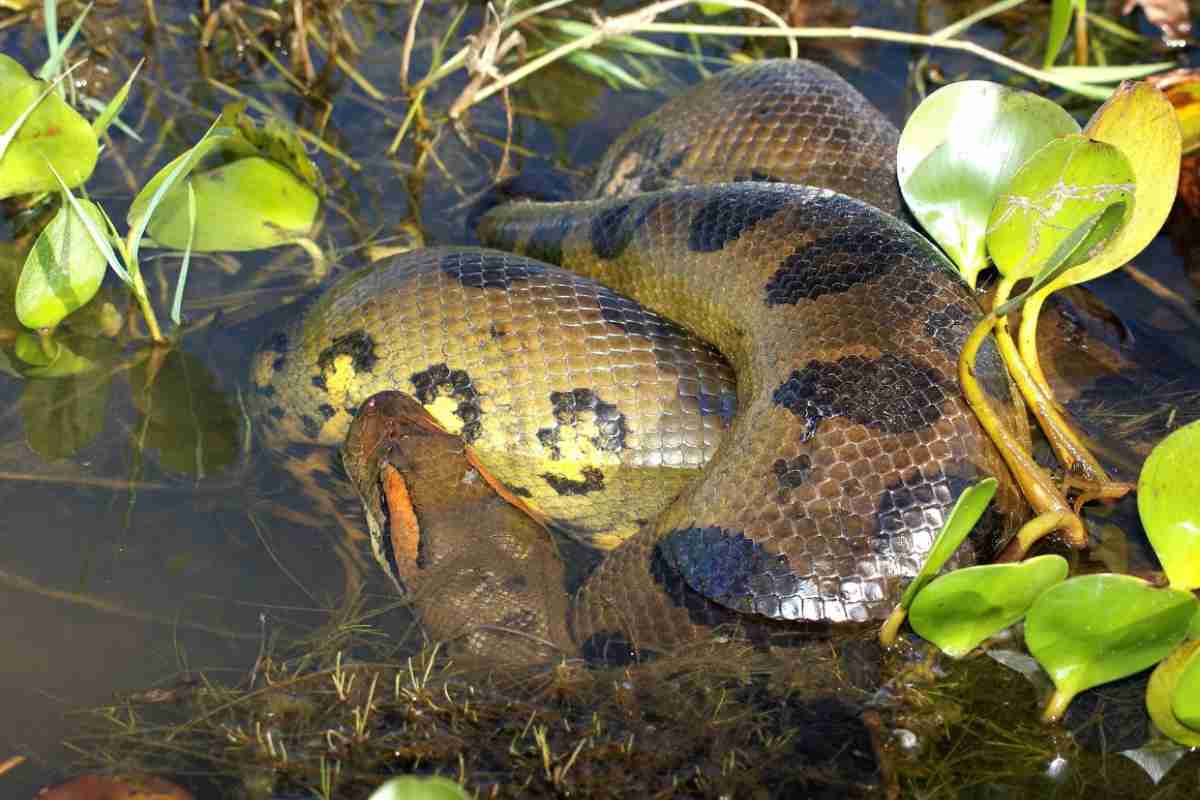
x=122, y=571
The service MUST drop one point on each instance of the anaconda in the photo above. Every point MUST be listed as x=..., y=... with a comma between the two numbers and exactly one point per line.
x=850, y=441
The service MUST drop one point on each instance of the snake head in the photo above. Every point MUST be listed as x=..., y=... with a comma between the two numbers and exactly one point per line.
x=382, y=446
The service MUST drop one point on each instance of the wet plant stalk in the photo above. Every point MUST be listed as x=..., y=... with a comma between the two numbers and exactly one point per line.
x=1039, y=489
x=1071, y=452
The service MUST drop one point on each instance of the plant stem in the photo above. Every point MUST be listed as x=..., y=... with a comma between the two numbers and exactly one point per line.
x=1036, y=484
x=138, y=287
x=882, y=35
x=891, y=626
x=1071, y=452
x=1057, y=705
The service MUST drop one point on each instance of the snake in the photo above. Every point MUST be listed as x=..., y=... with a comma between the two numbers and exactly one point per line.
x=729, y=369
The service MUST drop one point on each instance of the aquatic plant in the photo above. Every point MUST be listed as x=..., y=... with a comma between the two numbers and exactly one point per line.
x=1089, y=629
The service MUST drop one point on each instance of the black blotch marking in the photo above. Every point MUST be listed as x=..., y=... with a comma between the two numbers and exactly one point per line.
x=835, y=264
x=265, y=391
x=520, y=491
x=319, y=382
x=757, y=176
x=351, y=410
x=327, y=481
x=327, y=411
x=726, y=566
x=567, y=408
x=913, y=510
x=728, y=214
x=277, y=412
x=949, y=328
x=791, y=473
x=357, y=344
x=515, y=583
x=613, y=229
x=488, y=271
x=888, y=393
x=277, y=343
x=613, y=649
x=593, y=481
x=439, y=380
x=497, y=330
x=311, y=428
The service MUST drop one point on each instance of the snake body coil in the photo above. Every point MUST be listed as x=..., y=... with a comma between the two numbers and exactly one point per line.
x=850, y=442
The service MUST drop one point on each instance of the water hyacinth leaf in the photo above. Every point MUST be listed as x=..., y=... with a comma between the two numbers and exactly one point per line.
x=411, y=787
x=278, y=141
x=44, y=131
x=1185, y=97
x=1066, y=184
x=962, y=518
x=64, y=268
x=248, y=204
x=60, y=358
x=1081, y=648
x=960, y=147
x=1138, y=120
x=1164, y=690
x=1168, y=489
x=961, y=609
x=1186, y=702
x=221, y=144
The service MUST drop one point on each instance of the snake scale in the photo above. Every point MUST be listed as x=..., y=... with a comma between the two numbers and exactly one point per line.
x=801, y=480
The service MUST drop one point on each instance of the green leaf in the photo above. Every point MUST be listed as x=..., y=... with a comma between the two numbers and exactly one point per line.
x=411, y=787
x=43, y=128
x=960, y=147
x=961, y=609
x=217, y=142
x=966, y=512
x=1056, y=33
x=1066, y=185
x=1178, y=676
x=248, y=204
x=64, y=268
x=1168, y=493
x=1186, y=700
x=962, y=518
x=1098, y=628
x=279, y=141
x=1139, y=121
x=59, y=357
x=100, y=124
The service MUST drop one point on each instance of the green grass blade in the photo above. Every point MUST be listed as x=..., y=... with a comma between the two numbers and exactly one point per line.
x=110, y=112
x=100, y=240
x=58, y=51
x=138, y=227
x=177, y=306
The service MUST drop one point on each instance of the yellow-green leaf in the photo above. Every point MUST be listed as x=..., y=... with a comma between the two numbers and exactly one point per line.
x=1067, y=182
x=1169, y=505
x=1163, y=691
x=63, y=270
x=53, y=132
x=1139, y=121
x=248, y=204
